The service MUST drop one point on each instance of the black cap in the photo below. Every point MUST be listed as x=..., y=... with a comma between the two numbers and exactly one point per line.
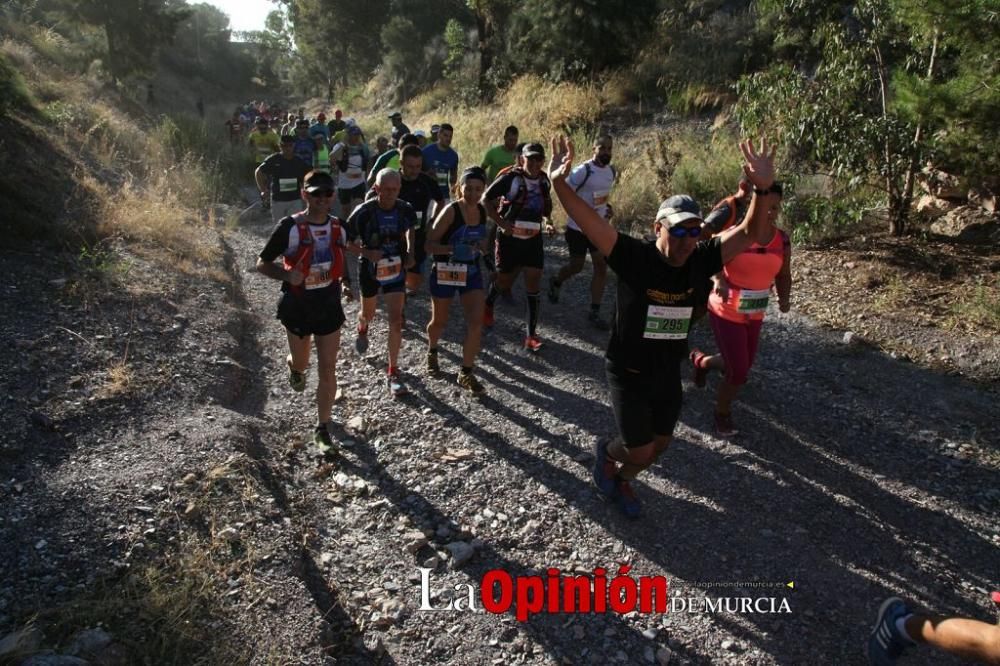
x=318, y=180
x=531, y=149
x=678, y=208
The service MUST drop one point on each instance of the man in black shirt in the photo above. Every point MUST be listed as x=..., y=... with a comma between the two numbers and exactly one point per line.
x=659, y=285
x=285, y=173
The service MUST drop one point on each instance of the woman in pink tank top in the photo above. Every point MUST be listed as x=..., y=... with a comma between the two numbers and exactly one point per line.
x=736, y=312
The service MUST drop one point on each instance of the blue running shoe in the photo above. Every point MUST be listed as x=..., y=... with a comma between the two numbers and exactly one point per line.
x=604, y=469
x=885, y=643
x=630, y=504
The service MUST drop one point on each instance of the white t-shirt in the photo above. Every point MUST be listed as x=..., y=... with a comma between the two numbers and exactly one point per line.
x=355, y=174
x=595, y=190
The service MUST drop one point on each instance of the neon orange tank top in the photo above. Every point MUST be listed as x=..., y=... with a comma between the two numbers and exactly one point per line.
x=750, y=276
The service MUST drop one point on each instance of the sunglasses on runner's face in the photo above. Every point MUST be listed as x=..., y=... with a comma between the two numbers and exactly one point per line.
x=321, y=194
x=681, y=232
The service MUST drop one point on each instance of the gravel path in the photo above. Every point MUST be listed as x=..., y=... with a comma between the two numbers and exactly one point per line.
x=855, y=476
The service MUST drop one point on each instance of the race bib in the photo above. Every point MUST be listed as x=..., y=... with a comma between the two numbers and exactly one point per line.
x=444, y=178
x=752, y=302
x=525, y=230
x=420, y=220
x=667, y=323
x=389, y=269
x=288, y=184
x=319, y=276
x=601, y=198
x=452, y=275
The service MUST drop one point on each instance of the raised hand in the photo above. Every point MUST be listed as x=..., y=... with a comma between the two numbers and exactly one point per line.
x=759, y=164
x=562, y=158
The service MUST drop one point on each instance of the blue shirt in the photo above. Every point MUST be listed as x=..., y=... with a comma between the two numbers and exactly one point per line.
x=440, y=164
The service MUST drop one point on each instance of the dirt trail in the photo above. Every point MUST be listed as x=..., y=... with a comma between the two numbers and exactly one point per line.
x=855, y=476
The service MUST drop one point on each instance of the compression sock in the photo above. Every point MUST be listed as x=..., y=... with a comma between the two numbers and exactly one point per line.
x=493, y=295
x=532, y=313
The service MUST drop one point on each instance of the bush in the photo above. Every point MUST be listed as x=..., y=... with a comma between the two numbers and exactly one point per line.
x=14, y=92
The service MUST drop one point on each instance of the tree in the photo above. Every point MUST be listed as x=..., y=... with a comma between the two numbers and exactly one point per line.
x=134, y=30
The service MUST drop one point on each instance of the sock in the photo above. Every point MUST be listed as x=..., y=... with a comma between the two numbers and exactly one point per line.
x=392, y=369
x=532, y=313
x=595, y=307
x=901, y=628
x=466, y=369
x=432, y=350
x=492, y=297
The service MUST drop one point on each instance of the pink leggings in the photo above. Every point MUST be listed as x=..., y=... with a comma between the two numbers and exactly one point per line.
x=738, y=346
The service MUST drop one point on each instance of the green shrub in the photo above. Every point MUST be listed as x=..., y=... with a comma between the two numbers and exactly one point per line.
x=14, y=92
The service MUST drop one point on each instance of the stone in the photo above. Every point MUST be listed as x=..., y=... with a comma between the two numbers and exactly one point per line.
x=414, y=540
x=88, y=643
x=54, y=660
x=663, y=656
x=648, y=655
x=460, y=552
x=968, y=223
x=24, y=640
x=931, y=207
x=650, y=633
x=357, y=424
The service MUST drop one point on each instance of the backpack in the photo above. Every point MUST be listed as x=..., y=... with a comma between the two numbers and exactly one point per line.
x=342, y=163
x=521, y=198
x=301, y=260
x=590, y=171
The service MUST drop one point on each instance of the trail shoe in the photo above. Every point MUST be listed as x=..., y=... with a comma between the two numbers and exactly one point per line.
x=553, y=290
x=322, y=439
x=604, y=469
x=396, y=386
x=433, y=367
x=724, y=425
x=627, y=500
x=700, y=372
x=597, y=321
x=533, y=343
x=488, y=319
x=469, y=382
x=361, y=343
x=886, y=643
x=296, y=379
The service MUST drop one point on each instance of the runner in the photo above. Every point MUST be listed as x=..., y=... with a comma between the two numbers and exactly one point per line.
x=289, y=126
x=234, y=128
x=517, y=202
x=285, y=173
x=593, y=181
x=321, y=153
x=311, y=247
x=381, y=233
x=501, y=156
x=420, y=191
x=458, y=240
x=736, y=310
x=434, y=133
x=381, y=146
x=656, y=296
x=398, y=128
x=441, y=161
x=421, y=138
x=731, y=210
x=898, y=628
x=320, y=127
x=337, y=124
x=263, y=141
x=352, y=161
x=390, y=158
x=304, y=147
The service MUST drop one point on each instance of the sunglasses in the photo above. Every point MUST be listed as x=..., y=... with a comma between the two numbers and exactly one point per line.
x=321, y=194
x=681, y=232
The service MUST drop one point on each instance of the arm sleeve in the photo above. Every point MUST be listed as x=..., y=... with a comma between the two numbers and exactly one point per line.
x=278, y=242
x=353, y=224
x=500, y=186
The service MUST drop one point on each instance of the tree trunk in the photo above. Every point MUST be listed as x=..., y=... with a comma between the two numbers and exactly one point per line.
x=484, y=27
x=897, y=215
x=911, y=170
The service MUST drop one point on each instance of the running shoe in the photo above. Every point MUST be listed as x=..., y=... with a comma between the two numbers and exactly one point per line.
x=395, y=383
x=468, y=381
x=886, y=643
x=699, y=374
x=361, y=343
x=410, y=293
x=597, y=321
x=724, y=425
x=604, y=469
x=488, y=319
x=322, y=439
x=629, y=503
x=533, y=343
x=553, y=290
x=433, y=366
x=296, y=379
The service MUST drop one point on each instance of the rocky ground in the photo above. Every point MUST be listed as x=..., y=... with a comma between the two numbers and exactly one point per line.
x=158, y=489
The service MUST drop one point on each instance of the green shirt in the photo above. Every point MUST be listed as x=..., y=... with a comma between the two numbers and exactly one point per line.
x=497, y=158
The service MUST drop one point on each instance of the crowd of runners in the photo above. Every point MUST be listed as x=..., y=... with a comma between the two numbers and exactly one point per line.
x=380, y=219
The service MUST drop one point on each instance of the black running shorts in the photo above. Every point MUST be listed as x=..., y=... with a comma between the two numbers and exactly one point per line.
x=645, y=403
x=514, y=252
x=312, y=314
x=578, y=243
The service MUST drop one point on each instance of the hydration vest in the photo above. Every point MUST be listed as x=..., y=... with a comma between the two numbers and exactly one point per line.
x=301, y=259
